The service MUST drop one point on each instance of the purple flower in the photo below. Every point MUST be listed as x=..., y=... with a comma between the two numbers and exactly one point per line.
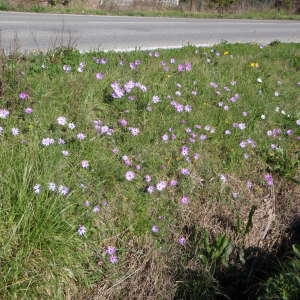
x=213, y=85
x=61, y=121
x=134, y=131
x=81, y=136
x=180, y=68
x=182, y=241
x=150, y=189
x=185, y=171
x=269, y=179
x=4, y=113
x=185, y=200
x=110, y=250
x=155, y=229
x=67, y=68
x=23, y=96
x=47, y=142
x=15, y=131
x=161, y=185
x=173, y=182
x=28, y=110
x=81, y=230
x=99, y=76
x=148, y=178
x=113, y=259
x=130, y=175
x=85, y=164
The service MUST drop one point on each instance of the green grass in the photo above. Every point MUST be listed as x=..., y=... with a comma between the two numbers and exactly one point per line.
x=175, y=13
x=43, y=256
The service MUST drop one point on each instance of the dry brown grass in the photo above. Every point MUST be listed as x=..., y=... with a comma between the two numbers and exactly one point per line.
x=147, y=274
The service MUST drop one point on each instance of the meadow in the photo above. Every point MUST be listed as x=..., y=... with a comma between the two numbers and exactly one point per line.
x=168, y=174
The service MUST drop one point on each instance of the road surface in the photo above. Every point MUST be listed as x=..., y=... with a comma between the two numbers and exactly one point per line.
x=29, y=31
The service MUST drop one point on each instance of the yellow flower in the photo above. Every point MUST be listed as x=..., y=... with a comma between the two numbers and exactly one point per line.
x=226, y=53
x=254, y=65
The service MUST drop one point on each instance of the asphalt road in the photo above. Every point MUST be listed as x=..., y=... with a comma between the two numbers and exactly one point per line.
x=30, y=31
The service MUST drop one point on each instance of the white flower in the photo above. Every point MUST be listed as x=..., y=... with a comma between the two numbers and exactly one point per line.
x=61, y=121
x=259, y=80
x=15, y=131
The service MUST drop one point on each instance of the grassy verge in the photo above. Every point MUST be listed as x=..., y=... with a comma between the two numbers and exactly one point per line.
x=134, y=175
x=175, y=13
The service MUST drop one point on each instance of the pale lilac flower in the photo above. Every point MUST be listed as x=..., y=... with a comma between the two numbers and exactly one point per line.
x=1, y=130
x=223, y=178
x=99, y=76
x=4, y=113
x=85, y=164
x=173, y=182
x=155, y=99
x=67, y=68
x=196, y=156
x=123, y=122
x=242, y=126
x=148, y=178
x=110, y=250
x=52, y=186
x=150, y=189
x=23, y=96
x=165, y=137
x=61, y=141
x=71, y=126
x=185, y=200
x=182, y=241
x=63, y=190
x=184, y=150
x=161, y=185
x=96, y=209
x=245, y=114
x=246, y=155
x=243, y=144
x=28, y=110
x=61, y=121
x=180, y=68
x=15, y=131
x=130, y=175
x=81, y=136
x=185, y=171
x=226, y=107
x=65, y=153
x=115, y=150
x=227, y=132
x=269, y=179
x=155, y=229
x=134, y=131
x=113, y=259
x=187, y=108
x=81, y=230
x=213, y=85
x=37, y=188
x=86, y=203
x=202, y=137
x=234, y=195
x=249, y=184
x=47, y=141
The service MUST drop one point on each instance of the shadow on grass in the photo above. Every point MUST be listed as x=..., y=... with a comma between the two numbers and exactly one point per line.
x=239, y=280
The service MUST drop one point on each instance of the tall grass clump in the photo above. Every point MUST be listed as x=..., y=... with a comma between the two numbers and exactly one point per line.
x=159, y=174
